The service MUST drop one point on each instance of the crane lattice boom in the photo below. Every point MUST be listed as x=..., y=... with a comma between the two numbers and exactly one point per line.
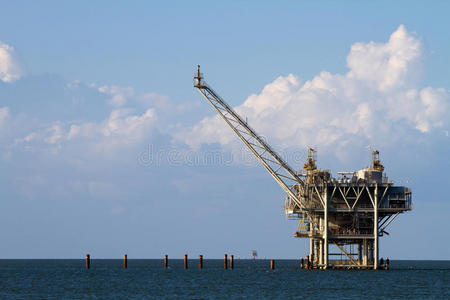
x=274, y=164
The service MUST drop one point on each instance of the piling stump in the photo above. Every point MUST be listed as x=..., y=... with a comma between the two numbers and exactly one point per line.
x=225, y=261
x=88, y=261
x=200, y=261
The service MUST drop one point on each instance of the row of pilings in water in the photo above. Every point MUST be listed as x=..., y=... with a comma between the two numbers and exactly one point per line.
x=186, y=265
x=304, y=263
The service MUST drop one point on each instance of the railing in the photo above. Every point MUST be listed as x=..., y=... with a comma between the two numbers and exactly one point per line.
x=346, y=262
x=350, y=231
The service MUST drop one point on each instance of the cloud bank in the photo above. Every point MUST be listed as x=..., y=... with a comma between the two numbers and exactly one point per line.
x=377, y=102
x=10, y=67
x=122, y=129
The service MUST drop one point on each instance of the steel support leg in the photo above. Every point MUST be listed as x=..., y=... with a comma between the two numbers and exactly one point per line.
x=316, y=251
x=320, y=251
x=365, y=250
x=325, y=229
x=360, y=253
x=375, y=229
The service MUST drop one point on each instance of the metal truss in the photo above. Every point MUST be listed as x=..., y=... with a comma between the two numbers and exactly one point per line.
x=384, y=223
x=348, y=254
x=274, y=164
x=358, y=191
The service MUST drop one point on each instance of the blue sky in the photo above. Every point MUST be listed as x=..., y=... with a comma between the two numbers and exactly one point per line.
x=88, y=89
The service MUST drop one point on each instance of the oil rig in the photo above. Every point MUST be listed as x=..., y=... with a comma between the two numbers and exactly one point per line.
x=348, y=213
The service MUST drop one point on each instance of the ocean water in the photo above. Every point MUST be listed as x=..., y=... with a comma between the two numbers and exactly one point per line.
x=250, y=279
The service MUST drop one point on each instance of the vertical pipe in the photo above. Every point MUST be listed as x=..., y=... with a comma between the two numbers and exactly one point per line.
x=311, y=247
x=359, y=253
x=272, y=264
x=375, y=228
x=225, y=261
x=313, y=257
x=88, y=261
x=302, y=263
x=325, y=229
x=185, y=261
x=125, y=261
x=365, y=260
x=321, y=252
x=321, y=242
x=370, y=251
x=231, y=262
x=200, y=261
x=316, y=251
x=166, y=261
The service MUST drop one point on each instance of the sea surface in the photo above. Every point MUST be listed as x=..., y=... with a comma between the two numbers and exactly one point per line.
x=250, y=279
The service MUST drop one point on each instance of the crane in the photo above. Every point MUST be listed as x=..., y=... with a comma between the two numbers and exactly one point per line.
x=283, y=174
x=345, y=212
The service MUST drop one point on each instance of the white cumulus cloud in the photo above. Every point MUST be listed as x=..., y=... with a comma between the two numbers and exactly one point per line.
x=10, y=66
x=119, y=95
x=386, y=65
x=374, y=103
x=120, y=130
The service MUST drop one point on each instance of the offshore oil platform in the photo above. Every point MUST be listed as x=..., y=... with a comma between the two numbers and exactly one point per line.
x=350, y=212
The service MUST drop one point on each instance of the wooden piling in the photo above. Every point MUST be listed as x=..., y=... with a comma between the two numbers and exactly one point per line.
x=125, y=261
x=231, y=262
x=88, y=261
x=166, y=261
x=185, y=261
x=272, y=264
x=200, y=261
x=225, y=262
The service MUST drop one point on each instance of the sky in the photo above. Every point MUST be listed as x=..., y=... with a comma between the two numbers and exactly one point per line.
x=106, y=148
